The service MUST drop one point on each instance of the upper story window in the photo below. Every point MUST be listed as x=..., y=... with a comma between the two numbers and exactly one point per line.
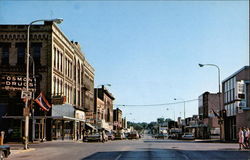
x=36, y=52
x=20, y=53
x=66, y=66
x=70, y=68
x=55, y=57
x=5, y=53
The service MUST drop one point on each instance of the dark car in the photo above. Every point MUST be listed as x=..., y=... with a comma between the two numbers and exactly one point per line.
x=161, y=136
x=94, y=137
x=4, y=151
x=126, y=135
x=119, y=136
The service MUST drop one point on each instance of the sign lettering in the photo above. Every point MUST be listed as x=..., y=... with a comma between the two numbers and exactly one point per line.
x=16, y=82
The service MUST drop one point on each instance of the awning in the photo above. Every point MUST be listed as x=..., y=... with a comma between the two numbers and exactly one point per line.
x=66, y=118
x=89, y=125
x=51, y=117
x=22, y=117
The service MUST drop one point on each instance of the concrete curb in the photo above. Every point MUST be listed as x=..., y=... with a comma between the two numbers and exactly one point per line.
x=14, y=151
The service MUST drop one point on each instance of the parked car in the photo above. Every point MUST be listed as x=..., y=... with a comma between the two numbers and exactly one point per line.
x=94, y=137
x=188, y=136
x=126, y=135
x=110, y=135
x=4, y=151
x=119, y=136
x=161, y=136
x=105, y=136
x=133, y=135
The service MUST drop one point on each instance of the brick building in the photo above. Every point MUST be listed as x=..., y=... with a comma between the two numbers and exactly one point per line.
x=61, y=72
x=208, y=104
x=117, y=119
x=236, y=102
x=107, y=112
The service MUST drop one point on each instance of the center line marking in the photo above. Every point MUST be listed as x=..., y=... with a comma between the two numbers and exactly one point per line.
x=118, y=157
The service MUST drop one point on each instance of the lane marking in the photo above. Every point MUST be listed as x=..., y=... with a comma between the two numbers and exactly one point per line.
x=118, y=157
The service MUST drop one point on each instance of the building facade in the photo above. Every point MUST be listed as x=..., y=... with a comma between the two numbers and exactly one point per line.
x=60, y=71
x=107, y=112
x=236, y=102
x=117, y=118
x=209, y=106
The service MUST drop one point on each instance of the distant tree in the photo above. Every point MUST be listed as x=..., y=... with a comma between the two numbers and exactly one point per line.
x=160, y=120
x=138, y=126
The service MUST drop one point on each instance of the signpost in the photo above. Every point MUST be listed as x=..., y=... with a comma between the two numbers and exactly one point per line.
x=26, y=94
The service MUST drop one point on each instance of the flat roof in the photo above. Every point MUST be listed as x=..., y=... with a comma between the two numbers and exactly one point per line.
x=235, y=73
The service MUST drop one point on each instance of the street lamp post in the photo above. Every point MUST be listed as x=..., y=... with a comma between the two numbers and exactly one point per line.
x=96, y=113
x=184, y=102
x=218, y=68
x=26, y=132
x=32, y=106
x=174, y=113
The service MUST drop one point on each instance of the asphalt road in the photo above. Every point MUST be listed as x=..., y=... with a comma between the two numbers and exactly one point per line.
x=143, y=149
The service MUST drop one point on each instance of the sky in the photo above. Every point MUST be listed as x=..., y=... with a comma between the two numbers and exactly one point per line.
x=149, y=51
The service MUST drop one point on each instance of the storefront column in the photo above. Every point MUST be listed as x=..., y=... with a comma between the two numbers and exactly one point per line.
x=63, y=129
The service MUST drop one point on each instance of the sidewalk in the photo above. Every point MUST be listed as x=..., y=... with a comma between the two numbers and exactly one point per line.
x=16, y=148
x=209, y=140
x=214, y=141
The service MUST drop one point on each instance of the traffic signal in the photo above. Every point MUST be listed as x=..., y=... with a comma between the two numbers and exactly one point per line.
x=224, y=113
x=241, y=96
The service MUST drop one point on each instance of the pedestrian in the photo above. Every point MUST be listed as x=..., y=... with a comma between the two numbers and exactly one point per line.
x=247, y=133
x=249, y=138
x=241, y=138
x=245, y=137
x=103, y=136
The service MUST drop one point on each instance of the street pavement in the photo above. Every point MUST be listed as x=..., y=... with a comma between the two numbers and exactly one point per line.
x=146, y=148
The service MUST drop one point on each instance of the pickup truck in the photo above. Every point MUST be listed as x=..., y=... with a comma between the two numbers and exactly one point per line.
x=4, y=151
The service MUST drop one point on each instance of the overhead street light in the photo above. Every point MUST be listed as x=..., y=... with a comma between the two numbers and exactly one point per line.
x=26, y=132
x=220, y=107
x=184, y=102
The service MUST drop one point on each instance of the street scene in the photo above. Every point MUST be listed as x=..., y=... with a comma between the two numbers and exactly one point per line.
x=144, y=148
x=117, y=80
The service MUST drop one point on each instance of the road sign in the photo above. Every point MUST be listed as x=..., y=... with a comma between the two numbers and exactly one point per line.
x=26, y=94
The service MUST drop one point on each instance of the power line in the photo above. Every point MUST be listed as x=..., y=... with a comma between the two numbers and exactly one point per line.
x=162, y=104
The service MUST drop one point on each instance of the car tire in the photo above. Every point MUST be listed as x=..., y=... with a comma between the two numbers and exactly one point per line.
x=2, y=155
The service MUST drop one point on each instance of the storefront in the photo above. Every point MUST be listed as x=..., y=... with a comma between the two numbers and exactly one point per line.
x=16, y=124
x=64, y=125
x=80, y=124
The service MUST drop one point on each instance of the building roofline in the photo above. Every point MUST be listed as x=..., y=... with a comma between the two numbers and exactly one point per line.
x=235, y=73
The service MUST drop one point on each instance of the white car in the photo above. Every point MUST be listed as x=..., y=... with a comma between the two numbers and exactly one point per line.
x=188, y=136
